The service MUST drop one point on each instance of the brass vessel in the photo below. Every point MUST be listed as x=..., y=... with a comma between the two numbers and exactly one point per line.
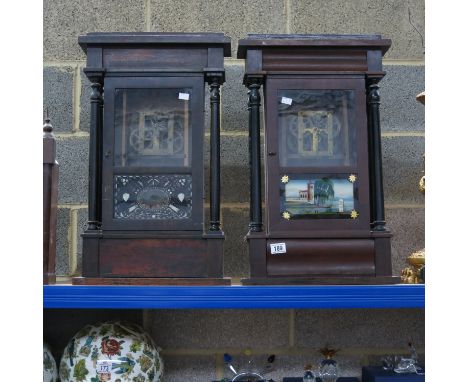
x=417, y=260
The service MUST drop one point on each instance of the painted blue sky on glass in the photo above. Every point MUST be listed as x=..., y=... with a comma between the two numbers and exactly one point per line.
x=343, y=188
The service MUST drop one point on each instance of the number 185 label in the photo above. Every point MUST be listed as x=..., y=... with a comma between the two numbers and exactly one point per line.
x=276, y=248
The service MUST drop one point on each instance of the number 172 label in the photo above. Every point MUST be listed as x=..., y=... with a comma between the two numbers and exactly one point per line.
x=104, y=367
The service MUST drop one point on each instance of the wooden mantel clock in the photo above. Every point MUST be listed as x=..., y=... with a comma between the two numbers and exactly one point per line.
x=146, y=163
x=323, y=173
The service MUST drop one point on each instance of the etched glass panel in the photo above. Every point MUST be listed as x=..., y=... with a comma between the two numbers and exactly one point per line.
x=150, y=197
x=152, y=127
x=316, y=128
x=324, y=196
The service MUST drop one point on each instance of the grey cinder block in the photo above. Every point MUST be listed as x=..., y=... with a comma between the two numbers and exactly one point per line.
x=85, y=106
x=82, y=219
x=62, y=258
x=65, y=20
x=72, y=155
x=407, y=226
x=399, y=110
x=403, y=166
x=389, y=18
x=235, y=223
x=235, y=98
x=58, y=97
x=189, y=368
x=234, y=18
x=359, y=328
x=219, y=328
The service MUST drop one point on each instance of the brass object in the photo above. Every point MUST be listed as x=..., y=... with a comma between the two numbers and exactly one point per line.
x=354, y=214
x=286, y=215
x=422, y=181
x=422, y=184
x=308, y=129
x=155, y=134
x=417, y=260
x=352, y=178
x=285, y=179
x=412, y=274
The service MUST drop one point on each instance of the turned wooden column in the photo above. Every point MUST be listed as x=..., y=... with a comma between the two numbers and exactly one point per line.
x=215, y=81
x=100, y=143
x=95, y=154
x=50, y=191
x=375, y=156
x=254, y=83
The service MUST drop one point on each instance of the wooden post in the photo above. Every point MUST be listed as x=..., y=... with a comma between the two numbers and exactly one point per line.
x=100, y=142
x=215, y=80
x=375, y=156
x=254, y=83
x=95, y=143
x=50, y=191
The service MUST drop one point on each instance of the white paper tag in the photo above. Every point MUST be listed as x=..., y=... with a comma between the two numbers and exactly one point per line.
x=276, y=248
x=184, y=96
x=286, y=100
x=104, y=367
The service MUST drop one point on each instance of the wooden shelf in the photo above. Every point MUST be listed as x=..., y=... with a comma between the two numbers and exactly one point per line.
x=234, y=297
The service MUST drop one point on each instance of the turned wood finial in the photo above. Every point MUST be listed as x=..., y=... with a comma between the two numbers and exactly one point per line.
x=47, y=128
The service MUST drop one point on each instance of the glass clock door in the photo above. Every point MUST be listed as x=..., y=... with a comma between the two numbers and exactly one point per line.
x=150, y=142
x=316, y=137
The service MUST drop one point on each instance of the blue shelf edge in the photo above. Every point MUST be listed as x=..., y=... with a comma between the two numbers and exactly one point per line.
x=234, y=297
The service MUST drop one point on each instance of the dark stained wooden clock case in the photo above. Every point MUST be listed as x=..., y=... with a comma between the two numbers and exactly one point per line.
x=309, y=82
x=146, y=165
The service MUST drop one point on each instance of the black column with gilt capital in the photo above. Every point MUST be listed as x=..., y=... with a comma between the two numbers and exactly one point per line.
x=215, y=80
x=95, y=155
x=254, y=83
x=375, y=156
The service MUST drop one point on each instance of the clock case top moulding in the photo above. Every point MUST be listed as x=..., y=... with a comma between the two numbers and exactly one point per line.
x=146, y=216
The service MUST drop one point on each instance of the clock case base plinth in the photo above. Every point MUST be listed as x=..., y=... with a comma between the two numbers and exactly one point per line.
x=350, y=260
x=149, y=259
x=323, y=280
x=150, y=281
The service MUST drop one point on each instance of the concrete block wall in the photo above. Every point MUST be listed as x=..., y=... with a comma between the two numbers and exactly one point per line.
x=295, y=333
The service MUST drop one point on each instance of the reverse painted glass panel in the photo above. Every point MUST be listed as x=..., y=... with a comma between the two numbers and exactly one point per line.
x=316, y=128
x=149, y=197
x=152, y=127
x=312, y=196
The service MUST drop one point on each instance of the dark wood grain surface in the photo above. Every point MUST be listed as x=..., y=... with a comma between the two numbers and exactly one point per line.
x=146, y=249
x=342, y=251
